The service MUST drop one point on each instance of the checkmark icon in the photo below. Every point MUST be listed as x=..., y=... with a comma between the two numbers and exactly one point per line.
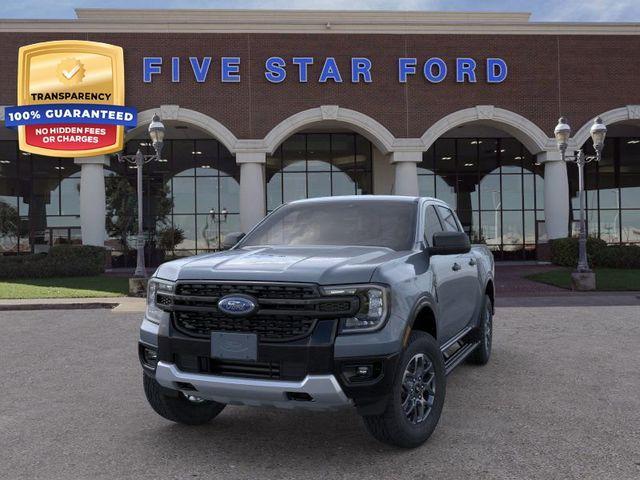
x=71, y=73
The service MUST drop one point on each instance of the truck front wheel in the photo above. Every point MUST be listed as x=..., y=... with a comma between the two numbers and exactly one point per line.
x=180, y=408
x=418, y=395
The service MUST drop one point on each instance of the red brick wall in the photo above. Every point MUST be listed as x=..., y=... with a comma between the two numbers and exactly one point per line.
x=578, y=76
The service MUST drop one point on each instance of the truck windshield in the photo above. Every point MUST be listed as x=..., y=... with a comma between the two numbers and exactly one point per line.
x=352, y=223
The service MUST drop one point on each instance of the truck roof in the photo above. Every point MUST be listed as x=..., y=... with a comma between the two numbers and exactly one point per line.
x=365, y=198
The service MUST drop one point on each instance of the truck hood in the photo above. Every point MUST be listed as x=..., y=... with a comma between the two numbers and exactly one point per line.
x=323, y=265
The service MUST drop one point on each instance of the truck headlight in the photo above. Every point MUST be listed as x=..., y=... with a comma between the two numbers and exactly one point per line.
x=373, y=311
x=155, y=288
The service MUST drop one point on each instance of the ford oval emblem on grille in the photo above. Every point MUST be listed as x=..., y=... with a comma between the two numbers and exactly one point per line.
x=237, y=305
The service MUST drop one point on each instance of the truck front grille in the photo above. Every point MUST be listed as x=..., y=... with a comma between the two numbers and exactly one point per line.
x=271, y=328
x=257, y=290
x=285, y=311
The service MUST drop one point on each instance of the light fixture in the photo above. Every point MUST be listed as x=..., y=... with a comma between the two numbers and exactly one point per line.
x=476, y=142
x=562, y=133
x=517, y=158
x=196, y=152
x=58, y=168
x=5, y=161
x=598, y=132
x=205, y=166
x=156, y=133
x=447, y=158
x=468, y=164
x=632, y=142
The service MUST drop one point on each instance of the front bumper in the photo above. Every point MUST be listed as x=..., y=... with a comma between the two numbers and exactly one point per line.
x=310, y=373
x=316, y=392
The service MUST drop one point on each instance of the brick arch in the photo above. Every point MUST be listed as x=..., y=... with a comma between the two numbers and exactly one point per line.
x=616, y=115
x=527, y=132
x=192, y=117
x=374, y=131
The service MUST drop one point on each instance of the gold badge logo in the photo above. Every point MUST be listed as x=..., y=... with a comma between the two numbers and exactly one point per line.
x=70, y=71
x=71, y=98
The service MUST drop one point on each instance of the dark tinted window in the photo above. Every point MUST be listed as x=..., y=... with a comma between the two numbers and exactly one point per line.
x=431, y=224
x=370, y=223
x=448, y=220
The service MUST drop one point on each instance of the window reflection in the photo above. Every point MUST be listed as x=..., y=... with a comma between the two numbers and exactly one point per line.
x=612, y=191
x=309, y=165
x=491, y=184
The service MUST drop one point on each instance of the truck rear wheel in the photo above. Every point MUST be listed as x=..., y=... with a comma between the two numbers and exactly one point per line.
x=417, y=399
x=180, y=408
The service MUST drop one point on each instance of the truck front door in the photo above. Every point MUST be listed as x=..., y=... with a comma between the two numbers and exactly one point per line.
x=456, y=276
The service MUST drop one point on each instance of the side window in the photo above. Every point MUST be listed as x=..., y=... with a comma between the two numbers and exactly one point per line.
x=449, y=221
x=431, y=224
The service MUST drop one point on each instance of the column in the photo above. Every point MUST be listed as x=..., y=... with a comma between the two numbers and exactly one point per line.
x=406, y=170
x=93, y=208
x=556, y=194
x=252, y=193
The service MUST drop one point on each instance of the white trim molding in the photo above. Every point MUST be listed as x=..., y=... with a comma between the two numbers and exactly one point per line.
x=373, y=130
x=622, y=114
x=531, y=136
x=200, y=120
x=329, y=22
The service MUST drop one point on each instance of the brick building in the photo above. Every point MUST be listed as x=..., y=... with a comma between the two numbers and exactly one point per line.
x=263, y=107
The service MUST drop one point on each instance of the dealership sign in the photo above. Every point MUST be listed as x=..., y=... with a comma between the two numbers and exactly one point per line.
x=323, y=70
x=70, y=99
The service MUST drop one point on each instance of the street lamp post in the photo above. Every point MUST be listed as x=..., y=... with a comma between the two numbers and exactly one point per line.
x=156, y=133
x=598, y=132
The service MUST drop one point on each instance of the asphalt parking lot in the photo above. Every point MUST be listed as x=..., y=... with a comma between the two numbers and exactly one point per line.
x=560, y=399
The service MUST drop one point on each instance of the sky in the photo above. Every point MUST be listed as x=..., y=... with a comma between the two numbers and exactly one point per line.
x=542, y=10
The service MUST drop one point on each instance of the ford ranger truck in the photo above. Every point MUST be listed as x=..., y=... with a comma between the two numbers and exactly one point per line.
x=356, y=301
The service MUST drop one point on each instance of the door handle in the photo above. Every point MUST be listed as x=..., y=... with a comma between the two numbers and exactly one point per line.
x=472, y=262
x=455, y=267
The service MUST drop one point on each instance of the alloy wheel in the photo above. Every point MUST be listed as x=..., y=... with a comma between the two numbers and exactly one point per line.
x=418, y=388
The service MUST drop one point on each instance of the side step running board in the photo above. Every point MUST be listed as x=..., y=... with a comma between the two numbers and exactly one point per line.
x=463, y=352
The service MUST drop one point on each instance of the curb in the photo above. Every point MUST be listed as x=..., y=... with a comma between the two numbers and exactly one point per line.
x=57, y=306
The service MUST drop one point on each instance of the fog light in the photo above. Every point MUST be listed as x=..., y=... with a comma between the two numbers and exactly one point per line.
x=359, y=373
x=150, y=356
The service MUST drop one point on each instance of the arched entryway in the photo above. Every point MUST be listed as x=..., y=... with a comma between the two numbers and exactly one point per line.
x=191, y=196
x=613, y=184
x=483, y=162
x=325, y=151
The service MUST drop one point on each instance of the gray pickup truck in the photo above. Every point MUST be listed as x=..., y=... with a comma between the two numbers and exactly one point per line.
x=365, y=301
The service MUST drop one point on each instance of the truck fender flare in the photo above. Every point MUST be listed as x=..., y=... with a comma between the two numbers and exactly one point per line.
x=422, y=302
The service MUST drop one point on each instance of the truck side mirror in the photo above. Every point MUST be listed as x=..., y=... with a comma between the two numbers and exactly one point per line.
x=230, y=239
x=450, y=243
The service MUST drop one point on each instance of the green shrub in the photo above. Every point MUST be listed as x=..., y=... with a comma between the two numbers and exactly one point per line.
x=618, y=256
x=61, y=261
x=564, y=252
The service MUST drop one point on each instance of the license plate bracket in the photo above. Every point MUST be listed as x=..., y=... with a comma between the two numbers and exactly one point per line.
x=234, y=346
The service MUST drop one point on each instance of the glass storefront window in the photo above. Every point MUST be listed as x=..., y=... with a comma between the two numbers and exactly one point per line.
x=309, y=165
x=612, y=191
x=495, y=187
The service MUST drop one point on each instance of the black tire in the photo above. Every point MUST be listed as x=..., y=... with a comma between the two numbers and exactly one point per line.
x=178, y=408
x=394, y=426
x=482, y=353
